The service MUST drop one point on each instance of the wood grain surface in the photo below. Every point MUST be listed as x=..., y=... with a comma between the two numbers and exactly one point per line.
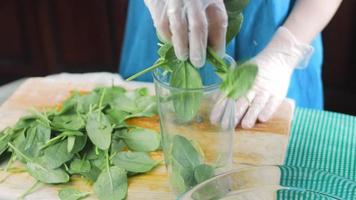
x=265, y=144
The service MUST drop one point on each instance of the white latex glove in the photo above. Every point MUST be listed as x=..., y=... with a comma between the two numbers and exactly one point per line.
x=275, y=66
x=190, y=25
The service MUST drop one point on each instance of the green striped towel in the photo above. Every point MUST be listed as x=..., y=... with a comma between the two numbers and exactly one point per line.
x=326, y=141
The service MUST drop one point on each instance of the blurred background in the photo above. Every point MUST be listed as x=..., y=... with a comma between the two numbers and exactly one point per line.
x=40, y=37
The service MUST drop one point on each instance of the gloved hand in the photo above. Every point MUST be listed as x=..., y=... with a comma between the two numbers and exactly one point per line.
x=190, y=25
x=276, y=64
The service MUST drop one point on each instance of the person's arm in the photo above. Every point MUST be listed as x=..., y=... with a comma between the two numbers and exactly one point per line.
x=309, y=17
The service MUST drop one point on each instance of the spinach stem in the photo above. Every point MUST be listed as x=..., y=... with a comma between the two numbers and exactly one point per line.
x=158, y=64
x=52, y=141
x=9, y=163
x=19, y=152
x=29, y=190
x=108, y=168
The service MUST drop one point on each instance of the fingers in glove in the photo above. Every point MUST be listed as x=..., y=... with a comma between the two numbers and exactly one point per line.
x=218, y=111
x=256, y=107
x=242, y=105
x=270, y=108
x=218, y=22
x=198, y=33
x=178, y=25
x=158, y=10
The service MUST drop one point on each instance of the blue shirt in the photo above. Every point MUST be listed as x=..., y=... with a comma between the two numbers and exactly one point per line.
x=262, y=18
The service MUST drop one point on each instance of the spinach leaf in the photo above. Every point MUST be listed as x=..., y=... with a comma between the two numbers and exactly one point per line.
x=185, y=153
x=139, y=162
x=177, y=180
x=40, y=172
x=111, y=184
x=93, y=174
x=85, y=102
x=203, y=172
x=142, y=140
x=78, y=166
x=182, y=177
x=116, y=115
x=186, y=103
x=5, y=137
x=79, y=144
x=70, y=143
x=71, y=194
x=72, y=122
x=234, y=10
x=55, y=155
x=125, y=104
x=99, y=130
x=111, y=93
x=37, y=135
x=117, y=145
x=46, y=175
x=239, y=80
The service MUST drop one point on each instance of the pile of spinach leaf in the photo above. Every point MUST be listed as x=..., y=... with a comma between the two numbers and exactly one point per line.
x=86, y=136
x=235, y=80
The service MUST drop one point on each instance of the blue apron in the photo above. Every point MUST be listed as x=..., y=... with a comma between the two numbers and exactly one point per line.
x=262, y=18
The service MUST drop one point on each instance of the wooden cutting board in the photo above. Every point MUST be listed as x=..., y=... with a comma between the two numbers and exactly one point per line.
x=265, y=144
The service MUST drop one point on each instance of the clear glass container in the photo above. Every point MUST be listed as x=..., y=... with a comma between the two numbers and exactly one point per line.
x=195, y=149
x=274, y=182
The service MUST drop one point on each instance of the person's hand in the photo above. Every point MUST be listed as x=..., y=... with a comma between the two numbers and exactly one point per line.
x=275, y=66
x=190, y=26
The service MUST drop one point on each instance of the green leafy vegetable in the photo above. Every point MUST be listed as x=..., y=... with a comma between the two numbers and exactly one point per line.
x=72, y=122
x=99, y=130
x=203, y=172
x=45, y=174
x=55, y=155
x=186, y=103
x=111, y=184
x=54, y=144
x=187, y=162
x=139, y=162
x=184, y=152
x=142, y=140
x=71, y=194
x=79, y=166
x=40, y=172
x=239, y=80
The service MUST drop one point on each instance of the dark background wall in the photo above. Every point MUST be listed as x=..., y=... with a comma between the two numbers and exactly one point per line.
x=39, y=37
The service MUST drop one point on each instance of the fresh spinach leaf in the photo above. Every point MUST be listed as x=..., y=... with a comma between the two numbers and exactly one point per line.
x=139, y=162
x=55, y=155
x=142, y=140
x=185, y=153
x=111, y=93
x=72, y=122
x=99, y=130
x=111, y=184
x=116, y=115
x=79, y=166
x=46, y=175
x=185, y=100
x=239, y=80
x=40, y=172
x=72, y=194
x=203, y=172
x=37, y=135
